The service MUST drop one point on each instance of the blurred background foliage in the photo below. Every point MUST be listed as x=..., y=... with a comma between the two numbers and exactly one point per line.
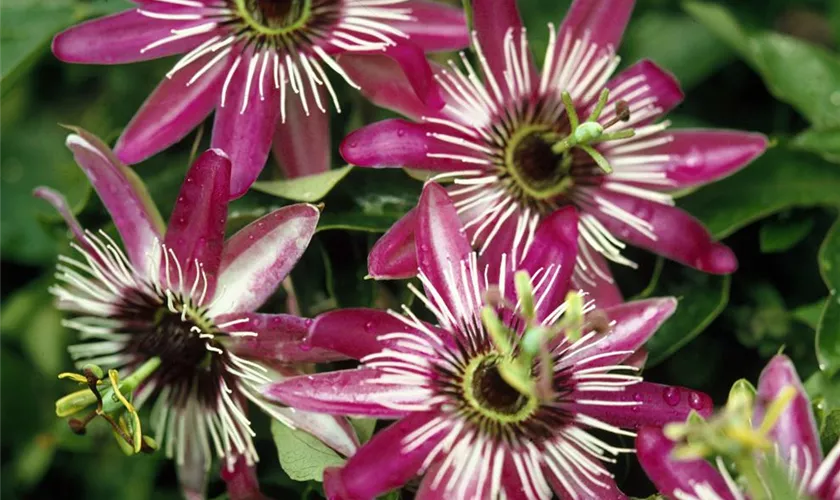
x=764, y=65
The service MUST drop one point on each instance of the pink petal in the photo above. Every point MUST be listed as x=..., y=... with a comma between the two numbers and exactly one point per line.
x=385, y=84
x=383, y=463
x=697, y=157
x=599, y=285
x=492, y=20
x=601, y=22
x=397, y=143
x=121, y=38
x=795, y=432
x=435, y=27
x=679, y=236
x=59, y=202
x=174, y=109
x=669, y=475
x=279, y=337
x=605, y=489
x=633, y=324
x=123, y=194
x=651, y=94
x=394, y=255
x=241, y=481
x=643, y=403
x=344, y=392
x=302, y=143
x=441, y=246
x=196, y=230
x=335, y=432
x=433, y=487
x=826, y=479
x=554, y=250
x=258, y=257
x=355, y=332
x=246, y=119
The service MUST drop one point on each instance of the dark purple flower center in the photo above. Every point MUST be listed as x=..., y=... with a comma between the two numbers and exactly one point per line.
x=277, y=14
x=491, y=391
x=536, y=163
x=182, y=337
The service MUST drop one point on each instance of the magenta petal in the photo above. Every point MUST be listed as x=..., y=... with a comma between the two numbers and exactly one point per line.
x=435, y=27
x=355, y=332
x=279, y=337
x=605, y=489
x=196, y=230
x=553, y=251
x=493, y=20
x=258, y=257
x=122, y=38
x=669, y=475
x=643, y=403
x=795, y=433
x=397, y=143
x=334, y=431
x=633, y=324
x=385, y=84
x=241, y=481
x=434, y=483
x=698, y=157
x=122, y=193
x=59, y=202
x=599, y=284
x=679, y=236
x=302, y=143
x=174, y=109
x=652, y=93
x=826, y=479
x=246, y=119
x=441, y=246
x=383, y=463
x=343, y=392
x=601, y=22
x=394, y=255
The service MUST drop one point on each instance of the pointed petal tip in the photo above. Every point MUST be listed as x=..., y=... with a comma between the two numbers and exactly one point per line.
x=671, y=86
x=719, y=259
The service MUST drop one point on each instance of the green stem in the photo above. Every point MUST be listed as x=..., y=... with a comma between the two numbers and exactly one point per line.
x=747, y=467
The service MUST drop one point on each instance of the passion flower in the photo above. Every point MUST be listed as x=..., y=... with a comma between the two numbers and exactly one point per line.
x=247, y=58
x=519, y=144
x=172, y=315
x=499, y=398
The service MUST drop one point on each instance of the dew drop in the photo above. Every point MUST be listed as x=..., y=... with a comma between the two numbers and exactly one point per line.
x=369, y=326
x=638, y=396
x=695, y=401
x=671, y=395
x=305, y=346
x=307, y=322
x=400, y=132
x=353, y=144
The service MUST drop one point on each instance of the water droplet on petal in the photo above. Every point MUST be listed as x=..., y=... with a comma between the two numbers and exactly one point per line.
x=307, y=322
x=369, y=326
x=695, y=401
x=671, y=395
x=400, y=132
x=305, y=346
x=638, y=396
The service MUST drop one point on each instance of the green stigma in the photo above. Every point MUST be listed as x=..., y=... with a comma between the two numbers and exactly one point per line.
x=518, y=354
x=112, y=398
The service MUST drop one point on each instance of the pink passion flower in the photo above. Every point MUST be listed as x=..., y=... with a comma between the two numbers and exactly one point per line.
x=519, y=144
x=460, y=423
x=243, y=58
x=795, y=444
x=184, y=298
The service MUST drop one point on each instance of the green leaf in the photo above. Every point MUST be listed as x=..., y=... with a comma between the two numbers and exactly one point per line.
x=364, y=428
x=302, y=456
x=776, y=181
x=830, y=429
x=307, y=189
x=702, y=298
x=782, y=233
x=823, y=142
x=698, y=54
x=810, y=314
x=801, y=74
x=828, y=329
